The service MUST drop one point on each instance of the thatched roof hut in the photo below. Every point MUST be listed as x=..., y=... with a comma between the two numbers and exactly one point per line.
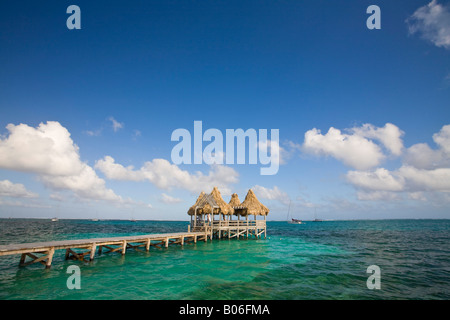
x=224, y=208
x=215, y=199
x=191, y=210
x=253, y=206
x=235, y=203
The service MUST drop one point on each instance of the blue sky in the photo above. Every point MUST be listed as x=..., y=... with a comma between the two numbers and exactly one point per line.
x=154, y=66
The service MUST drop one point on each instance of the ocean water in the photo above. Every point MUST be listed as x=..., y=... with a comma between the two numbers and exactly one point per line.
x=316, y=260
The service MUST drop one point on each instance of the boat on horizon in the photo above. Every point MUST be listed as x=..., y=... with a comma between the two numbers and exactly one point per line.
x=315, y=217
x=293, y=221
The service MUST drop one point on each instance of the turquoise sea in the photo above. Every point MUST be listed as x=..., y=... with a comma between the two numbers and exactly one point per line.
x=316, y=260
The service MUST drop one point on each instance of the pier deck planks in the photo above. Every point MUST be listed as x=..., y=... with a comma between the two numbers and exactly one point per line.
x=48, y=248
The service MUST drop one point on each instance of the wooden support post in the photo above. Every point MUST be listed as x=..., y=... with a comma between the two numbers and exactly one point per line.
x=93, y=248
x=265, y=227
x=182, y=240
x=100, y=250
x=124, y=247
x=22, y=259
x=167, y=242
x=50, y=253
x=195, y=238
x=147, y=245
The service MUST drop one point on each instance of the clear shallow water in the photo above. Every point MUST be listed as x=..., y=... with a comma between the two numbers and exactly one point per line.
x=324, y=260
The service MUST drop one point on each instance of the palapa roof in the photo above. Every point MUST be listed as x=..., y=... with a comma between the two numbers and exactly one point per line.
x=235, y=203
x=253, y=206
x=224, y=208
x=215, y=199
x=191, y=210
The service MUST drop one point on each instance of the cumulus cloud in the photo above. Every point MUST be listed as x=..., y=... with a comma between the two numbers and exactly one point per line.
x=165, y=198
x=15, y=190
x=383, y=184
x=358, y=147
x=422, y=156
x=271, y=194
x=166, y=175
x=426, y=180
x=424, y=171
x=380, y=179
x=432, y=22
x=352, y=149
x=389, y=135
x=47, y=149
x=49, y=152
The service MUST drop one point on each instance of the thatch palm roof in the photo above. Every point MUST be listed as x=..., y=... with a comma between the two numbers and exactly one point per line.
x=191, y=210
x=215, y=199
x=253, y=206
x=224, y=208
x=235, y=203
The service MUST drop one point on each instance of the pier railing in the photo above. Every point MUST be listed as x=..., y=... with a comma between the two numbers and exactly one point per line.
x=239, y=223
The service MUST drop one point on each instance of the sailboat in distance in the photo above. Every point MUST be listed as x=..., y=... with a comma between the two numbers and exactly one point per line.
x=315, y=216
x=293, y=221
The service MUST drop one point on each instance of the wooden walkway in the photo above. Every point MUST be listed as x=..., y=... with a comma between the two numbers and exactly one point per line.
x=43, y=251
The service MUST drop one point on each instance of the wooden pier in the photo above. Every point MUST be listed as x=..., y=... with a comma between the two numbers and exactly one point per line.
x=203, y=226
x=43, y=252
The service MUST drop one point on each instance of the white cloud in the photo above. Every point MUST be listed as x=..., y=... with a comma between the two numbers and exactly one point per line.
x=47, y=149
x=383, y=184
x=85, y=184
x=15, y=190
x=271, y=194
x=49, y=152
x=380, y=179
x=115, y=171
x=115, y=124
x=165, y=198
x=357, y=148
x=352, y=149
x=426, y=180
x=165, y=175
x=389, y=135
x=425, y=171
x=422, y=156
x=432, y=22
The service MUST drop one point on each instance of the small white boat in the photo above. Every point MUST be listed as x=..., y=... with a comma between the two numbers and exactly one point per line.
x=54, y=219
x=293, y=221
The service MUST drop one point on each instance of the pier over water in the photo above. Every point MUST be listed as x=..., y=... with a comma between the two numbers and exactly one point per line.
x=203, y=227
